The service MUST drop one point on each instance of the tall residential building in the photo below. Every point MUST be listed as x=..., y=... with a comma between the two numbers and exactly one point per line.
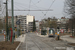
x=23, y=22
x=30, y=22
x=26, y=22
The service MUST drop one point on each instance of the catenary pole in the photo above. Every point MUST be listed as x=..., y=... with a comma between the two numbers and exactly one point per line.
x=6, y=20
x=72, y=27
x=12, y=7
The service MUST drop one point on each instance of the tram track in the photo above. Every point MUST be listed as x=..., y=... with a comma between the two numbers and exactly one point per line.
x=39, y=40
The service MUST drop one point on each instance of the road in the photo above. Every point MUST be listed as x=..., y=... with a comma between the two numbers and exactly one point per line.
x=35, y=42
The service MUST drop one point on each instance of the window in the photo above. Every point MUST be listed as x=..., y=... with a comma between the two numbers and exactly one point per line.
x=25, y=20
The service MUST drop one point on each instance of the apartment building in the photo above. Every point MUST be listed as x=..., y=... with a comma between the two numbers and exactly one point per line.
x=22, y=20
x=61, y=23
x=26, y=22
x=10, y=20
x=30, y=26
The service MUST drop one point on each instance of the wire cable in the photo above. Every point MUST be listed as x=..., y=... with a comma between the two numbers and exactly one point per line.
x=20, y=5
x=37, y=7
x=23, y=6
x=38, y=2
x=2, y=10
x=14, y=5
x=29, y=7
x=49, y=7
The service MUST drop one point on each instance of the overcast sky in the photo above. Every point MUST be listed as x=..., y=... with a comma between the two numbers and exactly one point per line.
x=57, y=8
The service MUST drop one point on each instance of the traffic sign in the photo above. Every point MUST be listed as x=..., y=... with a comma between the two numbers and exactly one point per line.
x=18, y=22
x=61, y=30
x=58, y=28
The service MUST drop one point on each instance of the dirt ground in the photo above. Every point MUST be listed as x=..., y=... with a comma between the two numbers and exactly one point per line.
x=72, y=44
x=2, y=34
x=61, y=34
x=8, y=45
x=57, y=38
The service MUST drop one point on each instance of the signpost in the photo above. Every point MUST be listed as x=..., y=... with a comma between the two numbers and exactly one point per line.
x=18, y=26
x=18, y=22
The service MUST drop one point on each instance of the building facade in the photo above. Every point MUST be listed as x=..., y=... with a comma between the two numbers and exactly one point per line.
x=26, y=22
x=62, y=23
x=37, y=25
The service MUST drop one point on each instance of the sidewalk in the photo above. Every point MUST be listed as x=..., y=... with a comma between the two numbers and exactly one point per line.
x=68, y=38
x=21, y=38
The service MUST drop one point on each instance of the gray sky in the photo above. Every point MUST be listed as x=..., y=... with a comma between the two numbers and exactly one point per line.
x=57, y=7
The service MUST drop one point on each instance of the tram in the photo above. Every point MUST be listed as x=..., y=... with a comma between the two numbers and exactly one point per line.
x=51, y=32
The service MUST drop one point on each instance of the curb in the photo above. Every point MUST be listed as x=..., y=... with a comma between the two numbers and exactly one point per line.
x=18, y=46
x=70, y=45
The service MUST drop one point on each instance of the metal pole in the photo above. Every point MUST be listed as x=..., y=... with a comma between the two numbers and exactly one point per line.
x=12, y=20
x=6, y=22
x=72, y=27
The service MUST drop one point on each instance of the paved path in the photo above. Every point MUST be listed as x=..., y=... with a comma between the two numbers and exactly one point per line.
x=34, y=42
x=1, y=37
x=68, y=38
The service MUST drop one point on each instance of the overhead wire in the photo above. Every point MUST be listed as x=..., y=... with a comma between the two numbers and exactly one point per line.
x=14, y=5
x=29, y=6
x=36, y=6
x=20, y=5
x=38, y=2
x=49, y=7
x=3, y=10
x=24, y=6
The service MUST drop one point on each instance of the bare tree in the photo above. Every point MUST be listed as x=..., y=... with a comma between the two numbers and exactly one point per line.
x=1, y=25
x=69, y=9
x=51, y=23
